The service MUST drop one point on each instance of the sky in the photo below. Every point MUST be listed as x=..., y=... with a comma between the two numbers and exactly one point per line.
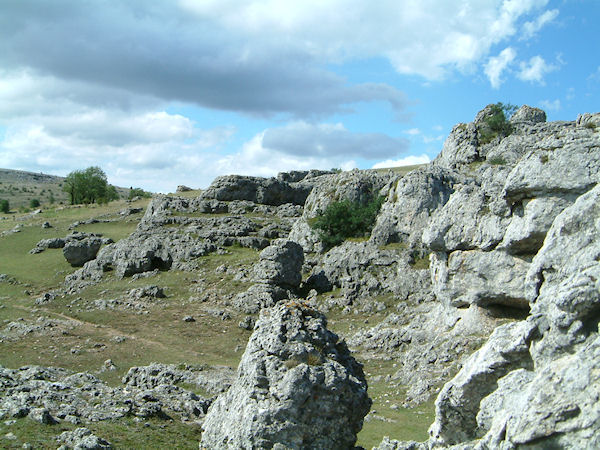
x=176, y=92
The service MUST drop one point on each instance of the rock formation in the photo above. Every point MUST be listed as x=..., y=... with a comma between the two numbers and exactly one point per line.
x=297, y=387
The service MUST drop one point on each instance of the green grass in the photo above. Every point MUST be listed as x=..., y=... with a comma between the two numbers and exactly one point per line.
x=123, y=433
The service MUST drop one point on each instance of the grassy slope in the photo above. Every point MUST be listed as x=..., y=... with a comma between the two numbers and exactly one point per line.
x=160, y=335
x=20, y=187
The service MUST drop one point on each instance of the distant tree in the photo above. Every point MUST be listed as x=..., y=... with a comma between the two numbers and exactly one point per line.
x=4, y=206
x=89, y=186
x=138, y=192
x=34, y=203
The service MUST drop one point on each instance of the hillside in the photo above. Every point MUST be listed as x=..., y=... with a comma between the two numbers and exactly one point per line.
x=20, y=187
x=473, y=296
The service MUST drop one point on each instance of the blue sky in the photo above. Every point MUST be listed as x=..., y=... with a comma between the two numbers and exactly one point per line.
x=165, y=93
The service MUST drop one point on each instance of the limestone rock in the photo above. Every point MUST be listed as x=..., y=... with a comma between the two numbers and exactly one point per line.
x=565, y=162
x=78, y=252
x=528, y=114
x=410, y=204
x=458, y=403
x=280, y=264
x=564, y=278
x=80, y=439
x=530, y=222
x=482, y=278
x=297, y=387
x=465, y=222
x=461, y=147
x=269, y=191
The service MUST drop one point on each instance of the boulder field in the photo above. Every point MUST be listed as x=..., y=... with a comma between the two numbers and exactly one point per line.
x=485, y=264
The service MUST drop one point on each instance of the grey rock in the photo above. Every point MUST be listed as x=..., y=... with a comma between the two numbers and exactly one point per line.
x=280, y=264
x=297, y=387
x=481, y=278
x=259, y=296
x=183, y=188
x=247, y=323
x=530, y=222
x=458, y=403
x=465, y=222
x=461, y=147
x=46, y=225
x=528, y=114
x=564, y=278
x=78, y=252
x=82, y=438
x=564, y=161
x=355, y=186
x=269, y=191
x=410, y=203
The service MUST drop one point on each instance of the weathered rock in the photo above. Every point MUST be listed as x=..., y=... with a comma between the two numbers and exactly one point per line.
x=269, y=191
x=355, y=186
x=566, y=161
x=78, y=252
x=280, y=264
x=410, y=204
x=528, y=114
x=80, y=439
x=530, y=222
x=465, y=222
x=481, y=278
x=183, y=188
x=297, y=387
x=564, y=278
x=458, y=403
x=461, y=147
x=259, y=296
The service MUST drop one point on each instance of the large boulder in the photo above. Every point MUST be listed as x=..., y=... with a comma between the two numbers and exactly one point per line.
x=297, y=387
x=78, y=252
x=280, y=264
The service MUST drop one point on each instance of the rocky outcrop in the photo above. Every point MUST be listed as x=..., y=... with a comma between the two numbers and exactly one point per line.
x=57, y=395
x=355, y=186
x=297, y=387
x=410, y=203
x=278, y=271
x=535, y=382
x=268, y=191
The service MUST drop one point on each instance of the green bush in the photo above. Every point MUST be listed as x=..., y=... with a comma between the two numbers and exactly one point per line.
x=138, y=192
x=346, y=219
x=4, y=206
x=497, y=124
x=34, y=203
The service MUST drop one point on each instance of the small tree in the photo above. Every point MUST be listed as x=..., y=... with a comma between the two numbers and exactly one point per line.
x=34, y=203
x=4, y=206
x=346, y=219
x=89, y=186
x=496, y=123
x=138, y=192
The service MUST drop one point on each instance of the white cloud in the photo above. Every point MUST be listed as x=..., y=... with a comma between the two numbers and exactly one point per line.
x=532, y=27
x=327, y=140
x=413, y=131
x=498, y=64
x=407, y=161
x=551, y=105
x=535, y=69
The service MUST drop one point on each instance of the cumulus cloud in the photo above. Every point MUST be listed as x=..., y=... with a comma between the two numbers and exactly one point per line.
x=407, y=161
x=327, y=140
x=496, y=65
x=530, y=28
x=535, y=69
x=302, y=146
